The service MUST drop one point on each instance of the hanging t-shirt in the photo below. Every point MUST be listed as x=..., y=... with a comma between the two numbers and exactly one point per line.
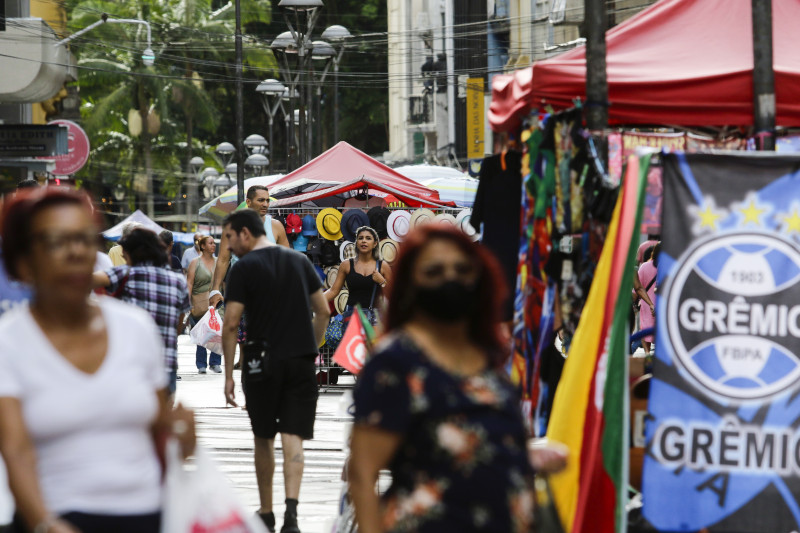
x=497, y=206
x=94, y=447
x=275, y=285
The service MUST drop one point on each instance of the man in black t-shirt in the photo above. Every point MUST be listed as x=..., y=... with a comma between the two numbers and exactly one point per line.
x=286, y=320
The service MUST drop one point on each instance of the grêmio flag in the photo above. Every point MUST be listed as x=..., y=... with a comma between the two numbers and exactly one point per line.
x=723, y=436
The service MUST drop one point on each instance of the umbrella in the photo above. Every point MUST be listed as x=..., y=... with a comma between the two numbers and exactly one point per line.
x=226, y=202
x=452, y=184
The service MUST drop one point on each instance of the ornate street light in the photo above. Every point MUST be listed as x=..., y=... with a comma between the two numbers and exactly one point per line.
x=272, y=89
x=338, y=35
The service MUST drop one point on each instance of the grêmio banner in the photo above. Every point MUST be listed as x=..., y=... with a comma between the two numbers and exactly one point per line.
x=723, y=433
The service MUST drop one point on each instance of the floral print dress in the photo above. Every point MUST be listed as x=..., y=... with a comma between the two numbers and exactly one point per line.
x=462, y=463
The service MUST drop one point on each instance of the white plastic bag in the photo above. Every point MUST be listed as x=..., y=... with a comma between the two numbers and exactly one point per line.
x=202, y=500
x=208, y=331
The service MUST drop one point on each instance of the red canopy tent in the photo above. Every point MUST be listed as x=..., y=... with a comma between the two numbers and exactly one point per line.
x=344, y=168
x=677, y=63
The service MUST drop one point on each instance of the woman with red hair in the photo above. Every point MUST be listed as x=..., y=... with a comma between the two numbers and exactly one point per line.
x=83, y=387
x=434, y=404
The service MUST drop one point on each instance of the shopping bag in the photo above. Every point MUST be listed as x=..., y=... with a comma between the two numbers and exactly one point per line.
x=202, y=500
x=208, y=331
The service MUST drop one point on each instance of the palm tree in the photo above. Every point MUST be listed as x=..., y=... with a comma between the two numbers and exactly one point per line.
x=113, y=80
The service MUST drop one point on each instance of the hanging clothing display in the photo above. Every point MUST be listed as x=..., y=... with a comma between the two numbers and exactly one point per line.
x=500, y=187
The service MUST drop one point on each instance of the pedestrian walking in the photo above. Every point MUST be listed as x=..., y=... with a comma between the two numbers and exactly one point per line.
x=115, y=253
x=173, y=260
x=279, y=290
x=198, y=278
x=434, y=404
x=82, y=411
x=191, y=253
x=366, y=275
x=149, y=284
x=648, y=274
x=257, y=198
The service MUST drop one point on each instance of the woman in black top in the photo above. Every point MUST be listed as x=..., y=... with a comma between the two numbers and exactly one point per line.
x=366, y=275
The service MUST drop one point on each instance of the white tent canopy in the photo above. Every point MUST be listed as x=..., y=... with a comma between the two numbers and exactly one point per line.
x=115, y=232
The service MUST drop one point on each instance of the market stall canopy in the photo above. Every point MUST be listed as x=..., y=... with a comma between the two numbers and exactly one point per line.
x=342, y=164
x=226, y=202
x=360, y=184
x=115, y=232
x=451, y=184
x=677, y=63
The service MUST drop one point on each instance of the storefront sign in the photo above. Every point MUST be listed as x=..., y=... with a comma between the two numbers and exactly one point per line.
x=78, y=149
x=475, y=118
x=723, y=437
x=30, y=140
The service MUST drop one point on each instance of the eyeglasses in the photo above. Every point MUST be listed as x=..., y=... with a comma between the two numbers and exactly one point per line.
x=58, y=243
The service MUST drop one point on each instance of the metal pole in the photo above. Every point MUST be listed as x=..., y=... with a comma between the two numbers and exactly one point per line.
x=271, y=146
x=239, y=108
x=336, y=100
x=763, y=75
x=596, y=80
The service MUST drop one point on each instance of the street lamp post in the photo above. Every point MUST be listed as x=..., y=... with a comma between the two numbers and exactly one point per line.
x=302, y=47
x=271, y=89
x=321, y=51
x=337, y=35
x=195, y=165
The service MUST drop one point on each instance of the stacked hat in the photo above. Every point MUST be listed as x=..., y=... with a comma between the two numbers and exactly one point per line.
x=347, y=250
x=378, y=218
x=314, y=248
x=398, y=225
x=351, y=221
x=389, y=250
x=293, y=224
x=341, y=301
x=330, y=276
x=300, y=243
x=420, y=217
x=309, y=228
x=445, y=218
x=463, y=222
x=329, y=224
x=329, y=254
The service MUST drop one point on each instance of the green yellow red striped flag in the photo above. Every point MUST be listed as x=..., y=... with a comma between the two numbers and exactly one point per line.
x=590, y=409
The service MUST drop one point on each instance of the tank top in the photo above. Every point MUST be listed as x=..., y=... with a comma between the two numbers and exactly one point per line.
x=359, y=287
x=270, y=237
x=202, y=278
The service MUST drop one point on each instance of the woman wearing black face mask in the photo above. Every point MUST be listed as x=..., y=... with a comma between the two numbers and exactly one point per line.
x=434, y=404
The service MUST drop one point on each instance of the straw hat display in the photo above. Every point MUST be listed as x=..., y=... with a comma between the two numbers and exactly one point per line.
x=329, y=224
x=389, y=250
x=462, y=222
x=347, y=250
x=341, y=301
x=351, y=221
x=445, y=218
x=398, y=225
x=330, y=276
x=421, y=216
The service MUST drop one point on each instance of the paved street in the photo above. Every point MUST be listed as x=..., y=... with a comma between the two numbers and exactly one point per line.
x=226, y=433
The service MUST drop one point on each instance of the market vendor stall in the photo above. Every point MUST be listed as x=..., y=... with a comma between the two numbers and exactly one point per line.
x=677, y=63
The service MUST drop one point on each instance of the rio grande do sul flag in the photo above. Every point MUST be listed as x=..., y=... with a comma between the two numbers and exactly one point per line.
x=590, y=411
x=355, y=344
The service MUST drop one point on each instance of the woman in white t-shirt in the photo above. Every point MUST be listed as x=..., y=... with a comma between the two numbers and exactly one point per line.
x=82, y=391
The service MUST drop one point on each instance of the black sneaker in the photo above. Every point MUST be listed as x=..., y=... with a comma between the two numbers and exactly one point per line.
x=290, y=523
x=268, y=519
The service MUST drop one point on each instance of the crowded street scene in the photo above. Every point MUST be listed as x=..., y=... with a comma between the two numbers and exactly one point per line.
x=373, y=266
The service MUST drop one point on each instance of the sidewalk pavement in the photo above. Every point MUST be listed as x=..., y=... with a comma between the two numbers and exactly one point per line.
x=225, y=432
